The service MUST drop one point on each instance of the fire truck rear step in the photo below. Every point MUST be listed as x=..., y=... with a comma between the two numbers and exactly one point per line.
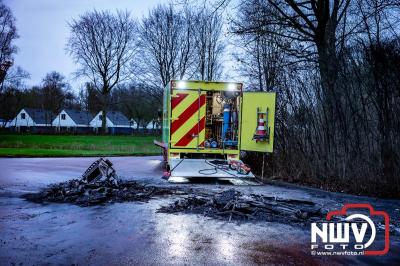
x=184, y=170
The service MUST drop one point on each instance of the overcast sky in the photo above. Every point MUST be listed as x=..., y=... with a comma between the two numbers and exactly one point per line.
x=43, y=29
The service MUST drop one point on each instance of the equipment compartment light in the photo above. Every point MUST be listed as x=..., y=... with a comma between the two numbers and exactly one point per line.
x=231, y=87
x=181, y=85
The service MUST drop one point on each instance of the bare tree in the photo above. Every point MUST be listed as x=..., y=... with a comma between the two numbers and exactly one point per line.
x=11, y=78
x=103, y=44
x=8, y=33
x=180, y=42
x=260, y=53
x=167, y=47
x=55, y=92
x=311, y=28
x=15, y=77
x=334, y=65
x=209, y=43
x=308, y=33
x=90, y=98
x=132, y=100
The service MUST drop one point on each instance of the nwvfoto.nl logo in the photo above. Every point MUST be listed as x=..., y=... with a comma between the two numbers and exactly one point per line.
x=353, y=230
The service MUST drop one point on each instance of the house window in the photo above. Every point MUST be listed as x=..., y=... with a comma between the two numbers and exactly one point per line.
x=100, y=117
x=22, y=115
x=62, y=116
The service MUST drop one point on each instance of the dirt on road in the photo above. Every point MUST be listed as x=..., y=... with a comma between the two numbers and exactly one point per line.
x=174, y=228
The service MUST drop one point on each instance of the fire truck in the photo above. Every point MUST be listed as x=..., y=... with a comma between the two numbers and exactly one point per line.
x=209, y=126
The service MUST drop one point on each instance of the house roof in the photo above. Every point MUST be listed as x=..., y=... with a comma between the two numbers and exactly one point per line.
x=79, y=117
x=117, y=118
x=40, y=116
x=153, y=124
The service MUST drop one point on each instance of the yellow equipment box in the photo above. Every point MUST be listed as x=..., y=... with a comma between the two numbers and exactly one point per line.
x=214, y=120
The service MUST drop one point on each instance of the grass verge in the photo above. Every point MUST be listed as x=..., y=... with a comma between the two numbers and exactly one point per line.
x=16, y=145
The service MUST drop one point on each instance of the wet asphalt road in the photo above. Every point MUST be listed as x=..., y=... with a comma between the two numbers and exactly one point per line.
x=134, y=233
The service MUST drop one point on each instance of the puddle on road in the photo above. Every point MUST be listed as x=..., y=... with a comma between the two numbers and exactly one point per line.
x=267, y=253
x=229, y=205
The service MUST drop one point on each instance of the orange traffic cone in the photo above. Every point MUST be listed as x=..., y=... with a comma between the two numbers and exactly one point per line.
x=261, y=131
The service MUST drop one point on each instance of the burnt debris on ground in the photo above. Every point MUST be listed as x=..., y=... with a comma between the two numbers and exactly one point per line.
x=100, y=185
x=233, y=205
x=83, y=194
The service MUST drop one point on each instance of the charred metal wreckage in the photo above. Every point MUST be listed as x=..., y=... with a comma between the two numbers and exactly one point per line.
x=100, y=184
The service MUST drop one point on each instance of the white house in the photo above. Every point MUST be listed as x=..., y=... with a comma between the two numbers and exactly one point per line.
x=133, y=123
x=69, y=119
x=35, y=119
x=116, y=122
x=153, y=125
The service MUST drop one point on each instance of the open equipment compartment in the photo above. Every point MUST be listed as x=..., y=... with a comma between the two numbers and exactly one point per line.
x=222, y=120
x=202, y=118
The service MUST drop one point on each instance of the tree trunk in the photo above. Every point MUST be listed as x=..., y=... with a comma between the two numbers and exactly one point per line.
x=328, y=69
x=104, y=128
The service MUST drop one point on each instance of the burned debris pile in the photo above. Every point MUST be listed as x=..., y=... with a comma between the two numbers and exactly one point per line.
x=84, y=194
x=233, y=205
x=99, y=184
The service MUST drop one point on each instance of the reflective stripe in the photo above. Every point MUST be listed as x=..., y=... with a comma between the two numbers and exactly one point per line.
x=175, y=100
x=187, y=128
x=194, y=131
x=183, y=117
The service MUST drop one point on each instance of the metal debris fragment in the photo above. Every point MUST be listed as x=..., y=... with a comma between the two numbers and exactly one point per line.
x=100, y=170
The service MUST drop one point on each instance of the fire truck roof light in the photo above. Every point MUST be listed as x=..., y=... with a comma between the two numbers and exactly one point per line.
x=231, y=86
x=181, y=85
